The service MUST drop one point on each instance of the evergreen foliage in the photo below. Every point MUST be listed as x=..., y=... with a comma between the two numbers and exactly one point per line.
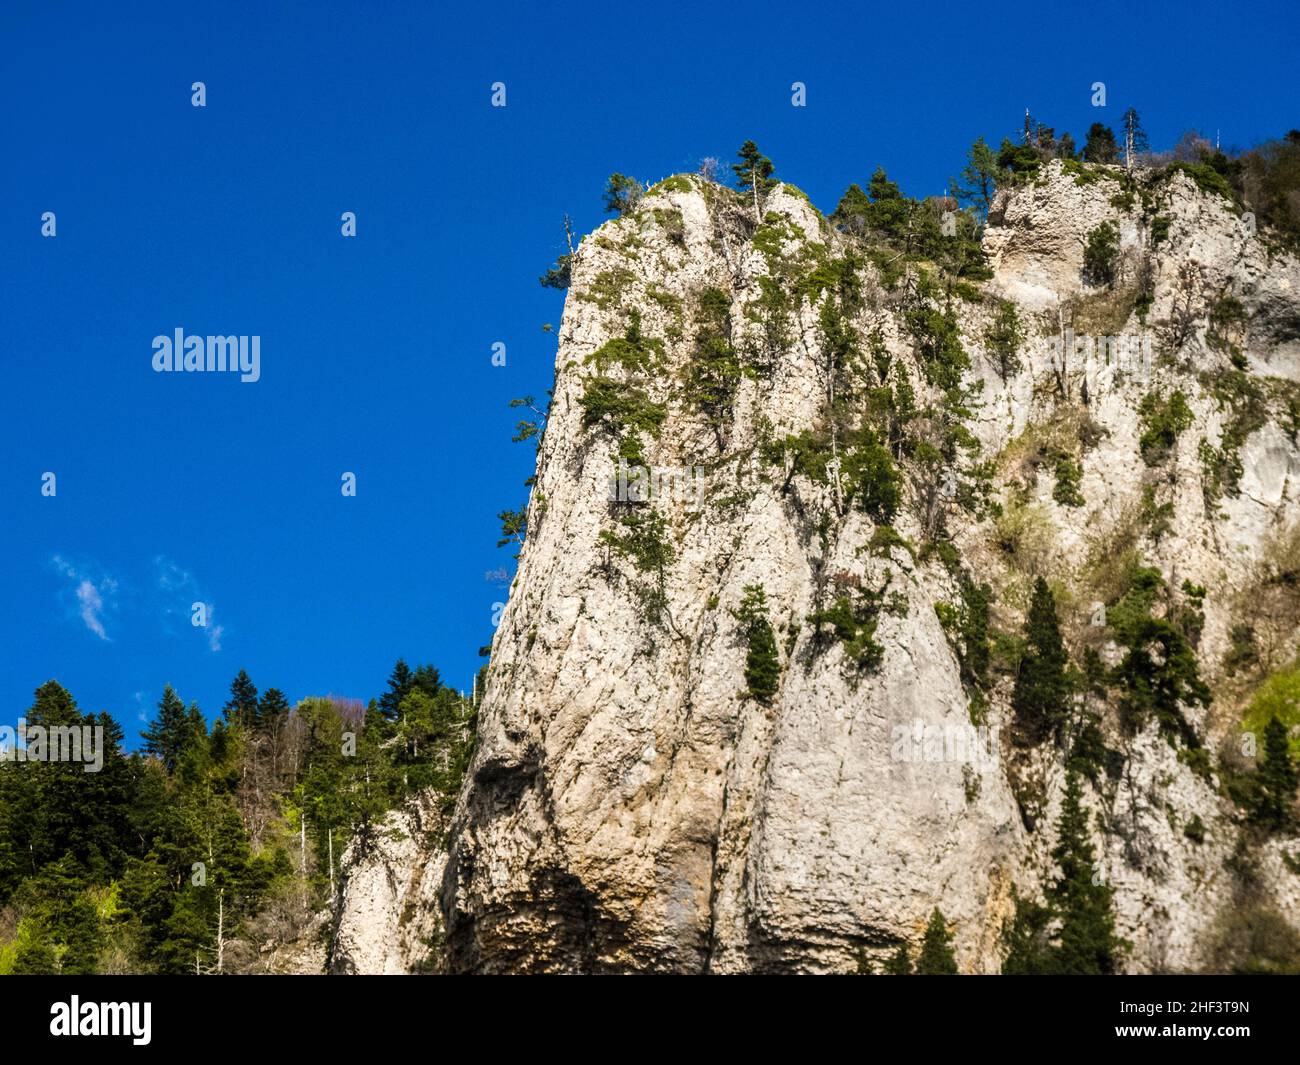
x=166, y=735
x=622, y=194
x=186, y=856
x=899, y=964
x=714, y=371
x=1100, y=145
x=754, y=174
x=1158, y=674
x=762, y=663
x=1040, y=698
x=978, y=178
x=1275, y=780
x=1100, y=254
x=1085, y=943
x=1074, y=934
x=1003, y=338
x=936, y=957
x=1163, y=419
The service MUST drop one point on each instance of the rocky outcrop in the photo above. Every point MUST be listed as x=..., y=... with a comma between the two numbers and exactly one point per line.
x=630, y=807
x=386, y=920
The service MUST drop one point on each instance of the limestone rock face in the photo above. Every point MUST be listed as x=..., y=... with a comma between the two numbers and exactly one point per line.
x=387, y=921
x=630, y=808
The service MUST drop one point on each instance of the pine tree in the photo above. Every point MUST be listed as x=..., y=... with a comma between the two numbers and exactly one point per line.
x=65, y=916
x=714, y=372
x=1003, y=337
x=427, y=680
x=853, y=213
x=978, y=178
x=1040, y=697
x=754, y=173
x=241, y=709
x=899, y=964
x=1159, y=673
x=165, y=736
x=1086, y=944
x=937, y=958
x=622, y=193
x=272, y=710
x=892, y=215
x=762, y=664
x=1275, y=780
x=1029, y=953
x=400, y=682
x=1100, y=145
x=194, y=758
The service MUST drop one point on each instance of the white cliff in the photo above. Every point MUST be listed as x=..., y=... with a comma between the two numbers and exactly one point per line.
x=629, y=808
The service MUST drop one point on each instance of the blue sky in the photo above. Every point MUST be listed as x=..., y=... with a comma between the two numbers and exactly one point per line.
x=375, y=351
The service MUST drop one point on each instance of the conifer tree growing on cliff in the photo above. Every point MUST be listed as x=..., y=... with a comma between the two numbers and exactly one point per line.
x=1276, y=779
x=1041, y=694
x=1028, y=951
x=1086, y=944
x=754, y=174
x=762, y=664
x=1100, y=146
x=622, y=193
x=978, y=178
x=1002, y=339
x=713, y=375
x=937, y=958
x=899, y=964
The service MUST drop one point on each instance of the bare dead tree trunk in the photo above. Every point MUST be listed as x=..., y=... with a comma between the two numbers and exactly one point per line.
x=302, y=866
x=834, y=465
x=1062, y=370
x=221, y=931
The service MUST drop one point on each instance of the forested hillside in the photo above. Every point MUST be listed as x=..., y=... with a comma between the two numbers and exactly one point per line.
x=211, y=850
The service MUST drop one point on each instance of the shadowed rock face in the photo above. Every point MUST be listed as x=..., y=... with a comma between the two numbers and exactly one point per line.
x=628, y=808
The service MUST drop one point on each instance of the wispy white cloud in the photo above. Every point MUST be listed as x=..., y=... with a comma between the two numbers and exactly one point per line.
x=95, y=597
x=181, y=592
